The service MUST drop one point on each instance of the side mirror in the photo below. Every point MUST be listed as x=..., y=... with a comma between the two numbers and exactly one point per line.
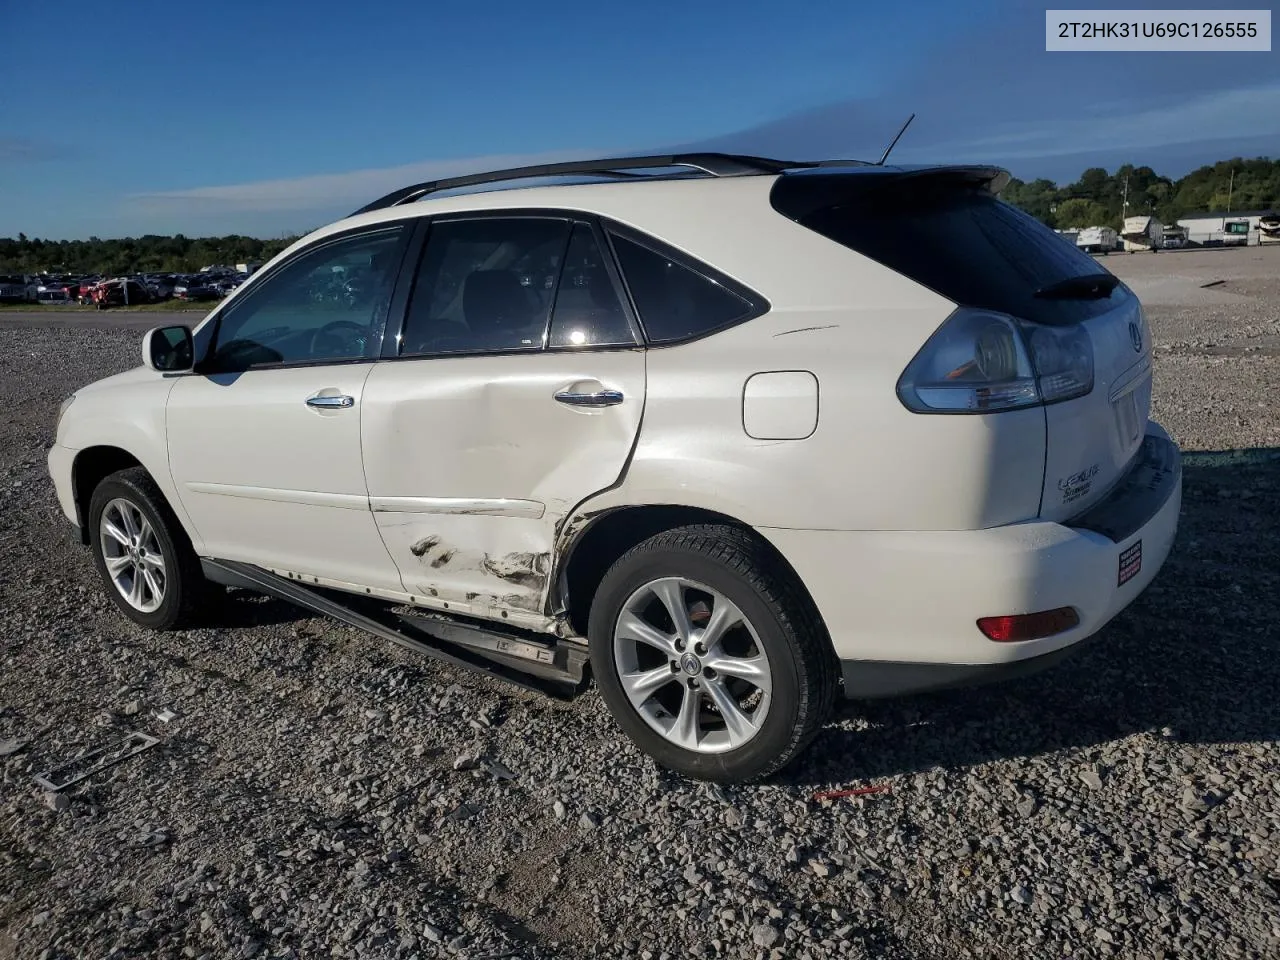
x=168, y=349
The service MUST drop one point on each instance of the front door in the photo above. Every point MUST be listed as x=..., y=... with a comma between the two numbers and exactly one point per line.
x=264, y=442
x=516, y=393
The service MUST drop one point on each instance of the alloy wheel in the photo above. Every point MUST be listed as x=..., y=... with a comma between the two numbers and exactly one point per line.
x=692, y=665
x=131, y=551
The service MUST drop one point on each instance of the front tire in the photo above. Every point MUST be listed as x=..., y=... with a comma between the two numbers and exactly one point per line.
x=710, y=655
x=142, y=553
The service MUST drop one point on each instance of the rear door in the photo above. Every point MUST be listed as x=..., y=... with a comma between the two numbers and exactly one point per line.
x=514, y=392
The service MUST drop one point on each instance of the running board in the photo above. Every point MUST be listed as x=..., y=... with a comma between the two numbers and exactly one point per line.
x=551, y=659
x=552, y=666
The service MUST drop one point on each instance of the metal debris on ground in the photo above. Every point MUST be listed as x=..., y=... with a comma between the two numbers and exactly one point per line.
x=87, y=764
x=499, y=770
x=10, y=747
x=165, y=716
x=851, y=792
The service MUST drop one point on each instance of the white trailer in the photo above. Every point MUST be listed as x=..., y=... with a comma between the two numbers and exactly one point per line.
x=1269, y=228
x=1096, y=240
x=1142, y=233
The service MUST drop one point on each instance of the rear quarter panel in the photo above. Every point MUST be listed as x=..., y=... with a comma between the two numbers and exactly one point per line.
x=870, y=464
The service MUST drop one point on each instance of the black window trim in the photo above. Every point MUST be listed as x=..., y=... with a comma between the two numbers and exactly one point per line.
x=408, y=229
x=757, y=304
x=410, y=265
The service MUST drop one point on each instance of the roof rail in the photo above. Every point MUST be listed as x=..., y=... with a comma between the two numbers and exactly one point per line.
x=713, y=164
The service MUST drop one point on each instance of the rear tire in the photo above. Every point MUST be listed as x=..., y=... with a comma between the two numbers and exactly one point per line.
x=738, y=688
x=142, y=553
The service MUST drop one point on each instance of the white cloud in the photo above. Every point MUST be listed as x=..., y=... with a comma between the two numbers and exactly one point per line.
x=323, y=191
x=1221, y=115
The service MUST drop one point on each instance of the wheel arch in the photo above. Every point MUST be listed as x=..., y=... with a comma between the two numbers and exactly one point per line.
x=593, y=542
x=91, y=466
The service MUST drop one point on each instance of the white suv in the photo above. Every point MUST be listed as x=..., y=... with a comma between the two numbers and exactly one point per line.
x=738, y=432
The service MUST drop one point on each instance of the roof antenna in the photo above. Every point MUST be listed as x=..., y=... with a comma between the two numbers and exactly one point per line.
x=894, y=142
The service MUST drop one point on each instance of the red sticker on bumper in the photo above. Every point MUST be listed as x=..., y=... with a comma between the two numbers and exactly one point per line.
x=1130, y=563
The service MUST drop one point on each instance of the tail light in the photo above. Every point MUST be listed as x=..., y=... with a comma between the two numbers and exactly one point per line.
x=981, y=361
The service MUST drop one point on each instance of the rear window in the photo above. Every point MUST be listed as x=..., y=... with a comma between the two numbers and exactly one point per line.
x=950, y=234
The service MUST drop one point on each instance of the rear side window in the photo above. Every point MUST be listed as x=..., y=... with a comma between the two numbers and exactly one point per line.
x=587, y=310
x=676, y=302
x=485, y=285
x=949, y=235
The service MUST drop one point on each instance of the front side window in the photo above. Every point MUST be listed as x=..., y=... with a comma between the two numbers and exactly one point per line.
x=328, y=304
x=485, y=285
x=674, y=301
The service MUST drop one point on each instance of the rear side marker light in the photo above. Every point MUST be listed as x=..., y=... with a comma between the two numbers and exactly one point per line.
x=1029, y=626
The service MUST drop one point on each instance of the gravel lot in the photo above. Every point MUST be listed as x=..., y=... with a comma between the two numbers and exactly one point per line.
x=321, y=793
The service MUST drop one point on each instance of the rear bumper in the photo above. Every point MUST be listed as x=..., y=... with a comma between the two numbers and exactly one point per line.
x=902, y=606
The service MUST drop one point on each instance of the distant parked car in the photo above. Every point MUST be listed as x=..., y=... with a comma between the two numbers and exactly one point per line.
x=17, y=289
x=194, y=290
x=115, y=293
x=52, y=291
x=161, y=288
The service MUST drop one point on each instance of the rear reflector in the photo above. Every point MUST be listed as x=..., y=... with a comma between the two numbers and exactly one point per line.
x=1029, y=626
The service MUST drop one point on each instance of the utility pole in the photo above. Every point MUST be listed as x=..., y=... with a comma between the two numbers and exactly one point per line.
x=1230, y=187
x=1124, y=201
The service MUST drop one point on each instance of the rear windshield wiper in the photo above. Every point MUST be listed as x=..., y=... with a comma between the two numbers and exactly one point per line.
x=1089, y=286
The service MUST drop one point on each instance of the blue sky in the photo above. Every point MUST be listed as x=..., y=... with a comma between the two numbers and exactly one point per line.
x=270, y=117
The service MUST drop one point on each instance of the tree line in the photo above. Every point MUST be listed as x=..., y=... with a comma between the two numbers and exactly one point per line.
x=128, y=255
x=1096, y=199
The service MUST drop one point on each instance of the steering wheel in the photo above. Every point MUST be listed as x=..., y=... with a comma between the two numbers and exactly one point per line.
x=356, y=334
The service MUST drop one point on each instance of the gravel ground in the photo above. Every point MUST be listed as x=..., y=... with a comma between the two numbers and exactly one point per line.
x=320, y=793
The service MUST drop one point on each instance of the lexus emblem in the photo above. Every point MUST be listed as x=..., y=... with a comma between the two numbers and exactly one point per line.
x=1135, y=337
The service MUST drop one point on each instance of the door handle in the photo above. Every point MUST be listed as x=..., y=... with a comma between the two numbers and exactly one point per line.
x=600, y=398
x=329, y=402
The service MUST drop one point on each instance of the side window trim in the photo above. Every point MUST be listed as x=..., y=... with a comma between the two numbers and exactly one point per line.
x=757, y=304
x=408, y=230
x=555, y=292
x=610, y=259
x=398, y=311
